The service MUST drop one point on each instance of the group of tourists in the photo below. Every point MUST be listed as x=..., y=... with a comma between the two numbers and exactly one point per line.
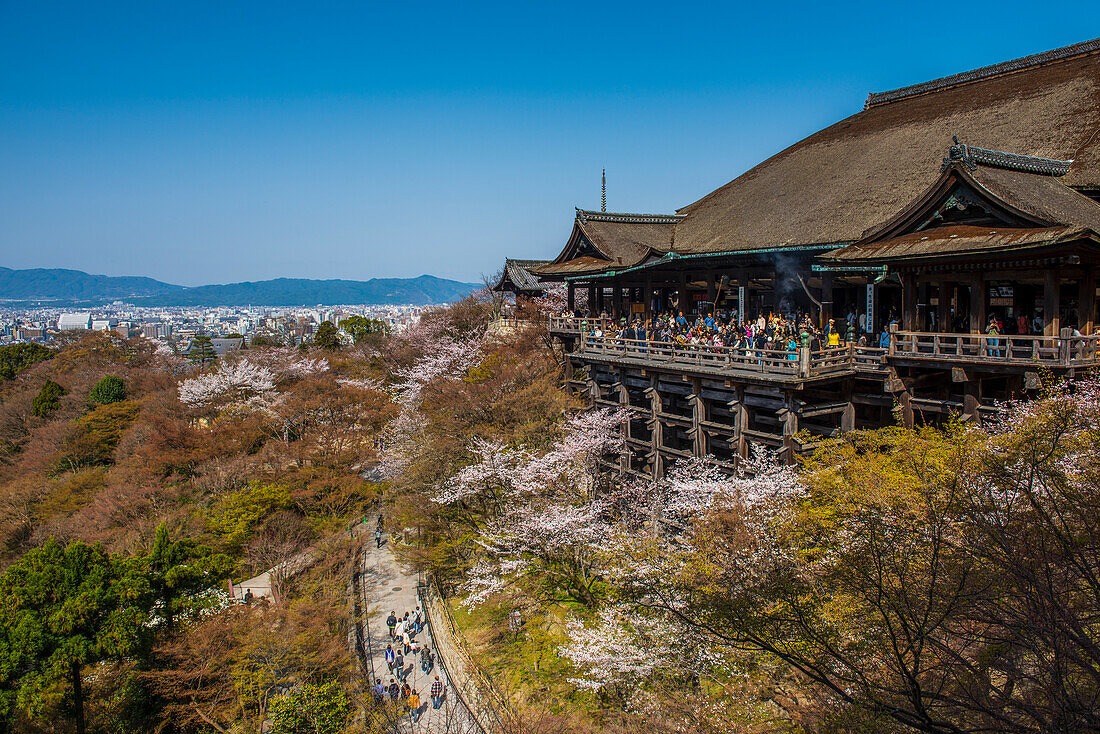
x=403, y=631
x=767, y=332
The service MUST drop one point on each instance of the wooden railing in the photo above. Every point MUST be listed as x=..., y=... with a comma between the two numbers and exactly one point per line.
x=1066, y=350
x=1036, y=351
x=778, y=362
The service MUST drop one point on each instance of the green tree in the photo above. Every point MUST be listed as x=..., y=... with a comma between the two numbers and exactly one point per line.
x=177, y=570
x=64, y=607
x=202, y=351
x=311, y=709
x=15, y=358
x=48, y=399
x=326, y=336
x=359, y=327
x=110, y=389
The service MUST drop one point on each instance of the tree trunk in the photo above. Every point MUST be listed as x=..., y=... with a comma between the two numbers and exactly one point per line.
x=78, y=698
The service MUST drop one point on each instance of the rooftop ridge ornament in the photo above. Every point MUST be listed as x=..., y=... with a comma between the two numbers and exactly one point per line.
x=603, y=190
x=972, y=157
x=605, y=216
x=875, y=99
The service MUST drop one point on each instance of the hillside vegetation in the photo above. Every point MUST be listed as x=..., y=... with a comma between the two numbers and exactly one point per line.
x=941, y=579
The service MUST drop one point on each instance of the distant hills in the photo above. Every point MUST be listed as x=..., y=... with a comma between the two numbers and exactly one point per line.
x=77, y=287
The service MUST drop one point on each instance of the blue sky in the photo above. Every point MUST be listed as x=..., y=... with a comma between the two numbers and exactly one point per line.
x=214, y=142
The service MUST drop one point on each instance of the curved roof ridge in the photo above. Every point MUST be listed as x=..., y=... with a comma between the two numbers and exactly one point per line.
x=971, y=156
x=627, y=218
x=985, y=72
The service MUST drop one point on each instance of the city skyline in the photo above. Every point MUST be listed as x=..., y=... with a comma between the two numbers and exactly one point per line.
x=206, y=145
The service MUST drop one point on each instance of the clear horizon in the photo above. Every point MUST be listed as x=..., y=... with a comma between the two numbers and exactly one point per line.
x=201, y=144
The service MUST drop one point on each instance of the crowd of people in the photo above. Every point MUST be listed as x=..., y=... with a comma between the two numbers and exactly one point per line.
x=403, y=631
x=772, y=332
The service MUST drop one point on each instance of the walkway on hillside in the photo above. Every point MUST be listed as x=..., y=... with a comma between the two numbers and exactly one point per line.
x=389, y=586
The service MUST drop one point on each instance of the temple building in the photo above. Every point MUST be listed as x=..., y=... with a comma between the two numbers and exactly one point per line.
x=936, y=209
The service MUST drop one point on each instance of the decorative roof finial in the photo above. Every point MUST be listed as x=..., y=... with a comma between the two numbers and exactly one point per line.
x=603, y=190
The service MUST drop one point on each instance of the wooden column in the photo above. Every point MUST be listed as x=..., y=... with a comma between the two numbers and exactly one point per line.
x=909, y=302
x=1086, y=302
x=571, y=297
x=656, y=433
x=624, y=404
x=592, y=300
x=682, y=296
x=1052, y=306
x=617, y=301
x=712, y=290
x=698, y=416
x=647, y=296
x=740, y=416
x=943, y=310
x=827, y=309
x=977, y=305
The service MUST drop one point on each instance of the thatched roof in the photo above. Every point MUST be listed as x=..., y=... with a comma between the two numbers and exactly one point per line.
x=838, y=183
x=518, y=278
x=610, y=240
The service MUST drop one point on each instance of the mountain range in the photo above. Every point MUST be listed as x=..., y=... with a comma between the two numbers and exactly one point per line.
x=60, y=286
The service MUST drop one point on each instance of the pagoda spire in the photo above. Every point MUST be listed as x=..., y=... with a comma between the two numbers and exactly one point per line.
x=603, y=190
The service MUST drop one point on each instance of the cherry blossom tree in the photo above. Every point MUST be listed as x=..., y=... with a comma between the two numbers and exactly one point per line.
x=243, y=386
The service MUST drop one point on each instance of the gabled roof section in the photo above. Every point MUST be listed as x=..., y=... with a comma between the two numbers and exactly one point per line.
x=518, y=278
x=985, y=72
x=603, y=240
x=961, y=242
x=979, y=203
x=836, y=184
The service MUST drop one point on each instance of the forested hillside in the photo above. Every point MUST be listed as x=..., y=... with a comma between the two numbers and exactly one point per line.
x=940, y=579
x=132, y=488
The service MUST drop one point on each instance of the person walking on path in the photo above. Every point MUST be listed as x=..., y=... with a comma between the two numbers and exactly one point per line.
x=394, y=690
x=391, y=622
x=418, y=619
x=390, y=657
x=378, y=692
x=378, y=538
x=414, y=705
x=437, y=693
x=399, y=664
x=426, y=660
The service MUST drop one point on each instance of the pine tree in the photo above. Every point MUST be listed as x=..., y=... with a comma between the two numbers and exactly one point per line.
x=202, y=351
x=48, y=399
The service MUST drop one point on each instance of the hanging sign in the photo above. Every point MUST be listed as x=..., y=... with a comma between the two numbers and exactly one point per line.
x=740, y=304
x=870, y=308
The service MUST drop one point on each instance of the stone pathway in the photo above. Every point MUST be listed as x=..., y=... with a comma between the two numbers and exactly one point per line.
x=388, y=586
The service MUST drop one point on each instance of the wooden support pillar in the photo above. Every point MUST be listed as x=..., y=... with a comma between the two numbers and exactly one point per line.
x=905, y=409
x=624, y=404
x=1086, y=302
x=827, y=309
x=698, y=416
x=571, y=297
x=647, y=297
x=739, y=414
x=788, y=417
x=592, y=300
x=712, y=290
x=656, y=432
x=909, y=302
x=682, y=296
x=1052, y=306
x=617, y=301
